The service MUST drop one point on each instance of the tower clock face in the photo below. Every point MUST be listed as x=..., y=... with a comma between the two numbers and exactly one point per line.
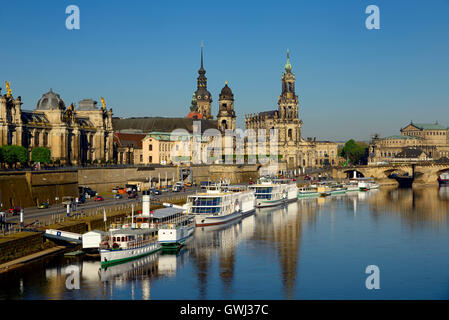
x=199, y=97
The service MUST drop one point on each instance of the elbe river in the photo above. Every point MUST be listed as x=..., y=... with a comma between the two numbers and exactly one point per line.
x=310, y=249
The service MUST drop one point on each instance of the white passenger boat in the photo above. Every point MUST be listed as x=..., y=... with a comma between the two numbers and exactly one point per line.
x=176, y=230
x=127, y=244
x=308, y=192
x=352, y=185
x=274, y=192
x=217, y=206
x=366, y=184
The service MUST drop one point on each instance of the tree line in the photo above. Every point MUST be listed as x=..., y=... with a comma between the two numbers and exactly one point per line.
x=13, y=155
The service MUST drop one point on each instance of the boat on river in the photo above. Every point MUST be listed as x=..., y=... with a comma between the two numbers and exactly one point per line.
x=443, y=179
x=308, y=192
x=366, y=184
x=274, y=192
x=220, y=205
x=126, y=244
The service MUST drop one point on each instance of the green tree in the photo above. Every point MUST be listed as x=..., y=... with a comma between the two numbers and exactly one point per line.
x=355, y=152
x=41, y=154
x=13, y=154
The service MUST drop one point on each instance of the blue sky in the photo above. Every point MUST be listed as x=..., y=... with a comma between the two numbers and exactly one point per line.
x=143, y=57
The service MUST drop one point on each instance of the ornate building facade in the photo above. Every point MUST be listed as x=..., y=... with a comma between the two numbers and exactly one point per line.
x=74, y=135
x=427, y=140
x=298, y=152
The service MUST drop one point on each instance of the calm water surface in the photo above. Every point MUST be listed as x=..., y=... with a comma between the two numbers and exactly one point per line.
x=311, y=249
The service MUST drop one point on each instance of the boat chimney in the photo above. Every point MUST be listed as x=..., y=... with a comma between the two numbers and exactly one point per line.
x=146, y=203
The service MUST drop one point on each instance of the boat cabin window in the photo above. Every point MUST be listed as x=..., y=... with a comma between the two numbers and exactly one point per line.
x=264, y=190
x=205, y=209
x=206, y=201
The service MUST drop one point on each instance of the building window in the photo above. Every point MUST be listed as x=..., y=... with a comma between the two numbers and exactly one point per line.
x=45, y=139
x=36, y=139
x=141, y=158
x=150, y=147
x=290, y=134
x=150, y=159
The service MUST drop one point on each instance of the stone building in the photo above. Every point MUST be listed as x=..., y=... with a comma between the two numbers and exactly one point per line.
x=430, y=138
x=128, y=148
x=74, y=135
x=298, y=152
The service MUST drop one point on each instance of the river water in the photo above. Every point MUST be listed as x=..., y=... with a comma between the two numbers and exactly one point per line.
x=311, y=249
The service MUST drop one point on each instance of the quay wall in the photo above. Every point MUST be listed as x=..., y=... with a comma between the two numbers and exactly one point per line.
x=19, y=245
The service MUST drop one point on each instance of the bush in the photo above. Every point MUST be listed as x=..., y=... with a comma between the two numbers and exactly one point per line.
x=14, y=154
x=41, y=154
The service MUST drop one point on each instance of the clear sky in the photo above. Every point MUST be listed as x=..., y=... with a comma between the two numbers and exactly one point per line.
x=143, y=58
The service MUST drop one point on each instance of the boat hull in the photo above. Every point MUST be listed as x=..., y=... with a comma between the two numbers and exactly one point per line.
x=210, y=220
x=308, y=194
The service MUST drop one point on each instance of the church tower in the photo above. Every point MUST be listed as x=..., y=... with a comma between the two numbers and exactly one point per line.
x=288, y=100
x=226, y=114
x=203, y=97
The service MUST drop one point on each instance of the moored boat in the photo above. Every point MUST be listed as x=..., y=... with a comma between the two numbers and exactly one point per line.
x=217, y=206
x=443, y=179
x=274, y=192
x=308, y=192
x=366, y=184
x=127, y=244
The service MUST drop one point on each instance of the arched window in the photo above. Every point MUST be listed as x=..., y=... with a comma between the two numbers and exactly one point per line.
x=290, y=134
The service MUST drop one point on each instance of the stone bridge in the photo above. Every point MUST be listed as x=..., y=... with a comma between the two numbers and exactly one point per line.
x=424, y=172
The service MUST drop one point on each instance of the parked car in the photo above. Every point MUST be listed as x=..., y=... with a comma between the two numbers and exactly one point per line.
x=188, y=184
x=307, y=177
x=177, y=188
x=155, y=191
x=43, y=205
x=132, y=195
x=251, y=182
x=118, y=196
x=98, y=198
x=14, y=210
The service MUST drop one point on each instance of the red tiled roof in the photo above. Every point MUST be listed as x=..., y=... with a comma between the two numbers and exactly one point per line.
x=129, y=139
x=194, y=115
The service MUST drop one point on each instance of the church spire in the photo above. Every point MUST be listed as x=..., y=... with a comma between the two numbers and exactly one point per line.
x=202, y=71
x=288, y=66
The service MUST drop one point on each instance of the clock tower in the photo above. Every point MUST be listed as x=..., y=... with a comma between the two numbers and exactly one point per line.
x=203, y=97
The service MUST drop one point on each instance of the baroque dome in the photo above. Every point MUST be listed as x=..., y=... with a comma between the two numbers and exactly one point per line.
x=50, y=101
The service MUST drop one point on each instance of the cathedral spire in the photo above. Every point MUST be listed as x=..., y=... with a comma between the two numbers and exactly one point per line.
x=288, y=66
x=201, y=71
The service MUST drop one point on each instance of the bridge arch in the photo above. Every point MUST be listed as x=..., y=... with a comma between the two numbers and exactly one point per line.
x=350, y=173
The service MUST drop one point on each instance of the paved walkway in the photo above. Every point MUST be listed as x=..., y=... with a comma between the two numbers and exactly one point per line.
x=6, y=266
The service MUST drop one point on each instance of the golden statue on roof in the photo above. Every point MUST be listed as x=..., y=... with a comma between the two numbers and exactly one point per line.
x=8, y=89
x=103, y=103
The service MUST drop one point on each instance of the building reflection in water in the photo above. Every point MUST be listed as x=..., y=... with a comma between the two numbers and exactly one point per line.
x=417, y=207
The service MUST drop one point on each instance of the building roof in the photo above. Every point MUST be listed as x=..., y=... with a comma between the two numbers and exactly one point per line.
x=194, y=115
x=410, y=153
x=400, y=137
x=428, y=126
x=50, y=101
x=167, y=136
x=129, y=139
x=161, y=124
